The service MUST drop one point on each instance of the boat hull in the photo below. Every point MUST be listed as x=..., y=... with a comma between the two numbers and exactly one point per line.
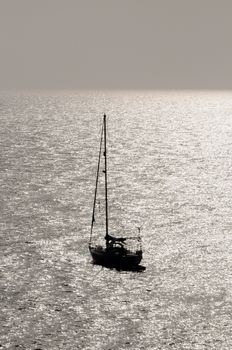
x=124, y=259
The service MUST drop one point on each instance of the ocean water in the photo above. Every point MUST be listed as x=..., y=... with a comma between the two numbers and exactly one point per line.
x=170, y=171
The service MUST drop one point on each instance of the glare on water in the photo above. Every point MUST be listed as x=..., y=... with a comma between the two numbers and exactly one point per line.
x=169, y=172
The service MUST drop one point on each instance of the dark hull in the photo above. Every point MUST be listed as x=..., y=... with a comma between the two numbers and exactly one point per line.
x=122, y=259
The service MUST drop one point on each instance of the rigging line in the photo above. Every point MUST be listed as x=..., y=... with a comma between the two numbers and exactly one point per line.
x=99, y=126
x=95, y=194
x=105, y=171
x=145, y=221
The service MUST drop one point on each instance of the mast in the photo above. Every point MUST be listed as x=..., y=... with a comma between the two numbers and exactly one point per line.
x=105, y=171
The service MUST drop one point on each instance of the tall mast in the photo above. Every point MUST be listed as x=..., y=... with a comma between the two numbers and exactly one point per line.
x=106, y=198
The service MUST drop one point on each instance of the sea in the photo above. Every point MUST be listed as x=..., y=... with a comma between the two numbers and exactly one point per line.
x=170, y=174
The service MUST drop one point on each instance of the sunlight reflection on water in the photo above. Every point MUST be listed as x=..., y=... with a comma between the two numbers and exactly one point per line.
x=169, y=170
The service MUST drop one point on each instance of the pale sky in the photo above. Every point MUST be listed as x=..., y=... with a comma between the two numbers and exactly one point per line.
x=116, y=44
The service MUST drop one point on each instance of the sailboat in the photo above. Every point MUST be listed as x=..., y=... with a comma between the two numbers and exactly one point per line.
x=114, y=253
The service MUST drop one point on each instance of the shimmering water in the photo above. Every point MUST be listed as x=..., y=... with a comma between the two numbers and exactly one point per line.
x=170, y=170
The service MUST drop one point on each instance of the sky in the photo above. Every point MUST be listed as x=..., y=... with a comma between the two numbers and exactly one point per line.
x=115, y=44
